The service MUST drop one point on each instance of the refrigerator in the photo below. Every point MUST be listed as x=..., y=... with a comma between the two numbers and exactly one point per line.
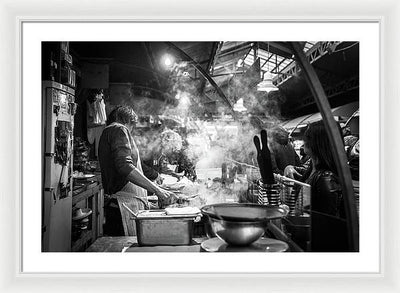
x=58, y=110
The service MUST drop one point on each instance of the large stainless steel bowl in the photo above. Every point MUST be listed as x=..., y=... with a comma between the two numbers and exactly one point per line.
x=240, y=224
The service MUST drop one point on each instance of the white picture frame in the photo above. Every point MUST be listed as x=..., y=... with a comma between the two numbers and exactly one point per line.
x=384, y=13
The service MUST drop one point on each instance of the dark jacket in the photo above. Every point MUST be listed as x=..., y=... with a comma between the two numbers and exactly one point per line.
x=282, y=156
x=328, y=220
x=118, y=156
x=304, y=169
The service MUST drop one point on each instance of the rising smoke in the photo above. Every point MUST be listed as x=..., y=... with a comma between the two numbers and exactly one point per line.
x=225, y=137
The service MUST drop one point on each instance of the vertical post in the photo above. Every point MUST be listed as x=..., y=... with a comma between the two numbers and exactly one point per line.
x=336, y=144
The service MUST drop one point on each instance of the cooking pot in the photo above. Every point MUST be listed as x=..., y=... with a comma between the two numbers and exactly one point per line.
x=240, y=224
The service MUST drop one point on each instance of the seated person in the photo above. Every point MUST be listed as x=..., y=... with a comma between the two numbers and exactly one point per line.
x=352, y=147
x=328, y=219
x=170, y=157
x=282, y=151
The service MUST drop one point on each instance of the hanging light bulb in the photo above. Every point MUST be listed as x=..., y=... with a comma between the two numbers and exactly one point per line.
x=266, y=84
x=167, y=61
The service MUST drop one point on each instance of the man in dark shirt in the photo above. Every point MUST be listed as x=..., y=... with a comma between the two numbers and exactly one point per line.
x=122, y=173
x=283, y=153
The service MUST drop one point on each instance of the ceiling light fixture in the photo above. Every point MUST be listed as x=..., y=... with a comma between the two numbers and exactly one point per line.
x=266, y=85
x=238, y=106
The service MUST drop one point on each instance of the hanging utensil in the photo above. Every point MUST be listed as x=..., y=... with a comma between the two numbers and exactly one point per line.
x=260, y=159
x=264, y=158
x=267, y=158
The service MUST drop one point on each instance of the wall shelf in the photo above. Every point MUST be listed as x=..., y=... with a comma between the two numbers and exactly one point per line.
x=92, y=198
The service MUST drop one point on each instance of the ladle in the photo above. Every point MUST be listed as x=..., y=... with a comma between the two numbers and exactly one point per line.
x=216, y=214
x=132, y=212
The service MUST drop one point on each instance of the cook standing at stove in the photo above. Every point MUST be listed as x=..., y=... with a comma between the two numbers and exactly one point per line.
x=122, y=174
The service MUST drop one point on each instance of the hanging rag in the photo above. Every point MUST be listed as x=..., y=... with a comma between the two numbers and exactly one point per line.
x=99, y=111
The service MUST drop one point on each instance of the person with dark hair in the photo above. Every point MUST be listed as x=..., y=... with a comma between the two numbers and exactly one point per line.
x=328, y=220
x=352, y=148
x=302, y=171
x=122, y=174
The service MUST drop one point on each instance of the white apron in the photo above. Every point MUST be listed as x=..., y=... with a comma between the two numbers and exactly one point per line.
x=135, y=197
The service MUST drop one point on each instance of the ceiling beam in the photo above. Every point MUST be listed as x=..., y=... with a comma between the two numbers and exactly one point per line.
x=313, y=54
x=205, y=74
x=276, y=48
x=235, y=49
x=214, y=49
x=274, y=70
x=266, y=61
x=332, y=91
x=283, y=46
x=150, y=57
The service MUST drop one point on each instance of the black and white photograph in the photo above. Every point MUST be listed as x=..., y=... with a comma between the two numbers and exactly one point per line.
x=196, y=147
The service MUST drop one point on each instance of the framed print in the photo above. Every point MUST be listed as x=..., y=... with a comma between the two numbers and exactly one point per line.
x=78, y=70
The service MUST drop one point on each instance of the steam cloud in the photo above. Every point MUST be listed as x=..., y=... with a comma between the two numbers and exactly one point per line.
x=213, y=142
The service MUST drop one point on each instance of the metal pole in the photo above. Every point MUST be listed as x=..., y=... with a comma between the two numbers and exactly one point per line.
x=280, y=235
x=336, y=143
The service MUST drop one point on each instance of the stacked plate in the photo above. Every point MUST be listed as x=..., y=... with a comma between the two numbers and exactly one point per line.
x=80, y=221
x=269, y=194
x=262, y=196
x=81, y=225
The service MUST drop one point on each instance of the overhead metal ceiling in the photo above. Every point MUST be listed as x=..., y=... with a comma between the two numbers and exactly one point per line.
x=214, y=68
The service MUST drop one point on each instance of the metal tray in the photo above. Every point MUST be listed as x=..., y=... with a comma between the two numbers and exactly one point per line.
x=155, y=227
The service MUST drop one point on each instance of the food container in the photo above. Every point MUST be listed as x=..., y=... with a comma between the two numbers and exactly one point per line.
x=156, y=227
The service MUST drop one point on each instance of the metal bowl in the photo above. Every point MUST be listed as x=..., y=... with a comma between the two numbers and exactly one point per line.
x=240, y=224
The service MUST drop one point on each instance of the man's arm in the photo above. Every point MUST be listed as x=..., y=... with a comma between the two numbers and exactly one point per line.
x=149, y=172
x=122, y=156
